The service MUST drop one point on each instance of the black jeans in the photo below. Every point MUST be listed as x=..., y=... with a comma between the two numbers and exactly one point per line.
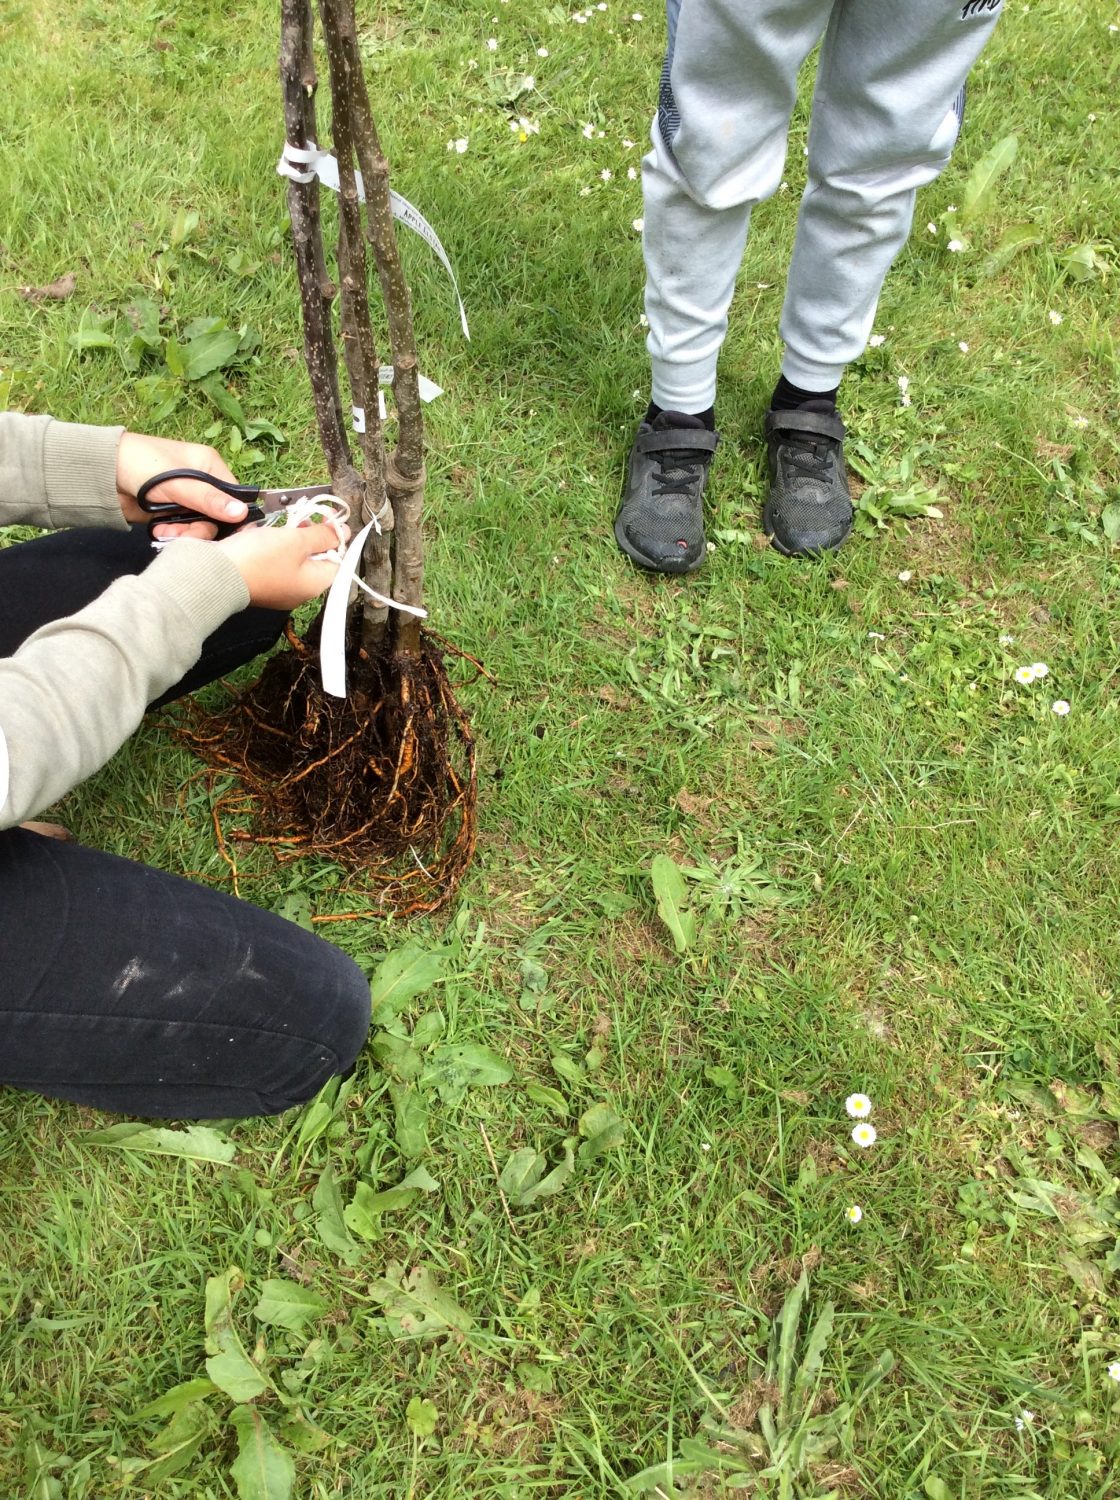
x=131, y=990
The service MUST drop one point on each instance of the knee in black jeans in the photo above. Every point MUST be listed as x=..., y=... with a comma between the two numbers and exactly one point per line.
x=132, y=990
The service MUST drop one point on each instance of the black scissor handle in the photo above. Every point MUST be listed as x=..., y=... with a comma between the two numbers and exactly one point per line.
x=163, y=511
x=164, y=508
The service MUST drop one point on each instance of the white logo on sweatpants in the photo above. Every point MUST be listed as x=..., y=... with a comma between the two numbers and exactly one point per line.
x=972, y=8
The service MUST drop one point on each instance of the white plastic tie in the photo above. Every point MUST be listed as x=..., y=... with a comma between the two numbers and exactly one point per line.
x=294, y=157
x=309, y=508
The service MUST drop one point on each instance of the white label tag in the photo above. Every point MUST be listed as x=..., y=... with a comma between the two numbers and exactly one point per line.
x=407, y=213
x=428, y=388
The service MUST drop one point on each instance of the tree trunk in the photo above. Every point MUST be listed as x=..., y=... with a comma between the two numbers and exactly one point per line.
x=404, y=473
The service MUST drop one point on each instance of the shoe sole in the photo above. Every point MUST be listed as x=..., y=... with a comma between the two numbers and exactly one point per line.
x=806, y=552
x=648, y=563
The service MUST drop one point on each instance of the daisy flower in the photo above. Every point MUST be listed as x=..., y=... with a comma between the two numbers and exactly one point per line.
x=1114, y=1371
x=955, y=246
x=864, y=1135
x=962, y=345
x=588, y=132
x=1055, y=317
x=542, y=51
x=1025, y=675
x=1040, y=669
x=877, y=340
x=858, y=1106
x=1060, y=707
x=639, y=225
x=853, y=1214
x=1007, y=640
x=905, y=576
x=492, y=44
x=632, y=173
x=606, y=174
x=458, y=146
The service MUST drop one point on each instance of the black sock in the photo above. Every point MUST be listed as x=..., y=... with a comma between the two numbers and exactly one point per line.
x=708, y=417
x=788, y=397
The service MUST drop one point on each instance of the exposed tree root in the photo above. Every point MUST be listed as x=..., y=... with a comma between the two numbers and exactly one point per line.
x=383, y=781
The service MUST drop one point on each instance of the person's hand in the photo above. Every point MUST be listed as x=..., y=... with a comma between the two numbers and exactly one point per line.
x=139, y=457
x=279, y=563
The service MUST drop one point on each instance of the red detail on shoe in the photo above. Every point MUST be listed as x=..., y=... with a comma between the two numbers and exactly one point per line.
x=682, y=545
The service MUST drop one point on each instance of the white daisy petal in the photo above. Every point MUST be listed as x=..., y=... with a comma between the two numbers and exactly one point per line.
x=858, y=1106
x=864, y=1135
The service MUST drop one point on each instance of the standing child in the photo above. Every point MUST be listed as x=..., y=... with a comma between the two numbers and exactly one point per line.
x=888, y=104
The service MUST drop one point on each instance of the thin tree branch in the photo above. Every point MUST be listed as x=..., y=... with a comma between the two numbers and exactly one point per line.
x=297, y=73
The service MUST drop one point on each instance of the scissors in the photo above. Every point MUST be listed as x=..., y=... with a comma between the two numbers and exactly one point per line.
x=261, y=502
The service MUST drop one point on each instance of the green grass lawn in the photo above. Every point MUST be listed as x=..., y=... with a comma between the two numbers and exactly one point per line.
x=900, y=863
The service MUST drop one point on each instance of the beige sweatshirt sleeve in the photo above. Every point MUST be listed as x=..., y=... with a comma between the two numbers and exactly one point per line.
x=77, y=688
x=58, y=473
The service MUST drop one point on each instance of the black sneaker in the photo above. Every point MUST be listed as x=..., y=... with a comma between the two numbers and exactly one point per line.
x=810, y=506
x=660, y=524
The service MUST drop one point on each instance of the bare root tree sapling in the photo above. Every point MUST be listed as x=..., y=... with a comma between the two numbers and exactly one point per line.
x=383, y=780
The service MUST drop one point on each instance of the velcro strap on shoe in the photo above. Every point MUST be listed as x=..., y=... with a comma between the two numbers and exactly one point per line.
x=673, y=438
x=826, y=424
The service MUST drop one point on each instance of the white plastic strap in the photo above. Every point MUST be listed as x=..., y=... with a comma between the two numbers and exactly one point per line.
x=323, y=165
x=332, y=640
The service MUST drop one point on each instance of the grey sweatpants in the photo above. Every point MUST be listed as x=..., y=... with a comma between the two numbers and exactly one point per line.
x=886, y=111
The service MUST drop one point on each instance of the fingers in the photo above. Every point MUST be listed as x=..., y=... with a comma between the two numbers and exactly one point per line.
x=140, y=457
x=203, y=531
x=321, y=538
x=192, y=494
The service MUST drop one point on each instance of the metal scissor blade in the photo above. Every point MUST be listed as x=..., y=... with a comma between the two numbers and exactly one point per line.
x=270, y=501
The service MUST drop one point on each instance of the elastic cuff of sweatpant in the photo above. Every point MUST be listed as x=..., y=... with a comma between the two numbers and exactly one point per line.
x=811, y=374
x=687, y=388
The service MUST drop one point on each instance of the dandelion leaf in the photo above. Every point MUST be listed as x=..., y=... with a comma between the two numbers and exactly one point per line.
x=415, y=1307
